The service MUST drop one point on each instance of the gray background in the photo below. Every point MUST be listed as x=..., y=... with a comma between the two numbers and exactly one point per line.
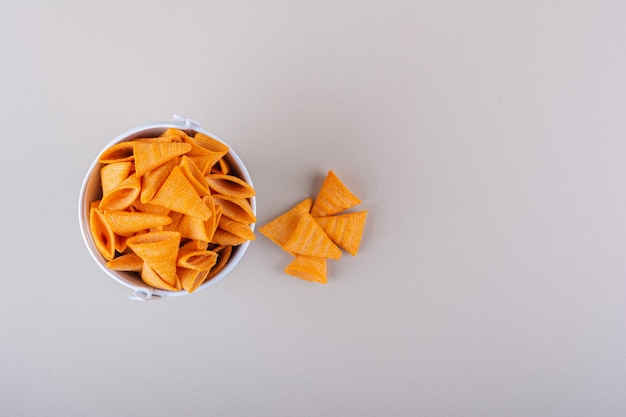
x=487, y=141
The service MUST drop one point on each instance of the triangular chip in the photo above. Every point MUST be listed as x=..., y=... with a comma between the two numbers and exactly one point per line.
x=178, y=194
x=310, y=239
x=230, y=185
x=123, y=195
x=173, y=132
x=191, y=227
x=333, y=197
x=345, y=229
x=151, y=277
x=152, y=180
x=202, y=162
x=212, y=224
x=149, y=155
x=191, y=279
x=223, y=255
x=103, y=235
x=112, y=175
x=127, y=262
x=281, y=228
x=199, y=260
x=160, y=251
x=150, y=208
x=195, y=176
x=126, y=223
x=206, y=146
x=221, y=167
x=222, y=237
x=120, y=152
x=240, y=229
x=236, y=208
x=309, y=268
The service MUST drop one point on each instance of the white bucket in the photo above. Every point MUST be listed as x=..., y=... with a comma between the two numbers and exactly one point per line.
x=91, y=190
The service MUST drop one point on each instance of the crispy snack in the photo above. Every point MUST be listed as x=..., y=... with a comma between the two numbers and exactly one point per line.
x=103, y=235
x=158, y=216
x=195, y=176
x=127, y=223
x=282, y=227
x=112, y=175
x=120, y=152
x=123, y=195
x=223, y=255
x=149, y=155
x=235, y=227
x=128, y=262
x=333, y=197
x=178, y=194
x=230, y=185
x=199, y=260
x=160, y=251
x=310, y=239
x=153, y=180
x=236, y=208
x=153, y=279
x=309, y=268
x=315, y=231
x=345, y=229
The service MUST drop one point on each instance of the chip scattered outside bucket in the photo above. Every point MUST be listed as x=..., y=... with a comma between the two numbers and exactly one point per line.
x=333, y=197
x=280, y=229
x=345, y=229
x=314, y=232
x=310, y=239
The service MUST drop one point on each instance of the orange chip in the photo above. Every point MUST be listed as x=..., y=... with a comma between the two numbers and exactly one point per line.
x=123, y=195
x=112, y=175
x=199, y=260
x=191, y=279
x=281, y=228
x=333, y=197
x=212, y=224
x=221, y=167
x=236, y=208
x=194, y=245
x=195, y=176
x=149, y=155
x=229, y=185
x=222, y=237
x=239, y=229
x=127, y=262
x=206, y=146
x=223, y=255
x=210, y=144
x=309, y=268
x=173, y=132
x=309, y=238
x=153, y=180
x=160, y=251
x=153, y=279
x=120, y=243
x=178, y=194
x=120, y=152
x=126, y=223
x=202, y=163
x=345, y=229
x=192, y=228
x=150, y=208
x=102, y=234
